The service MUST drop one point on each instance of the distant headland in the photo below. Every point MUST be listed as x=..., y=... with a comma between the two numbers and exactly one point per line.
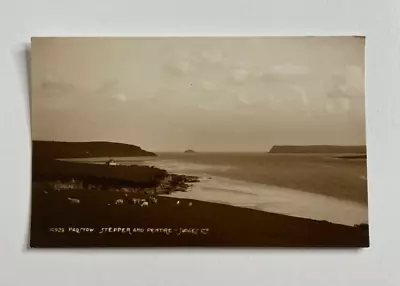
x=318, y=149
x=189, y=151
x=57, y=149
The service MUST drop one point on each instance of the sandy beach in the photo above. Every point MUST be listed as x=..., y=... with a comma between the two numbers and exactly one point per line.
x=323, y=174
x=307, y=185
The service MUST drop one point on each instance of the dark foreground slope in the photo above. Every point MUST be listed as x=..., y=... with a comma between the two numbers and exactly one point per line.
x=58, y=223
x=55, y=149
x=330, y=149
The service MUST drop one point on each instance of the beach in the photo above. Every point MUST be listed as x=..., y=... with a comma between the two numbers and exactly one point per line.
x=315, y=186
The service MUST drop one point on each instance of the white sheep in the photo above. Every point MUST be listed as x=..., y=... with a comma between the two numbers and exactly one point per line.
x=74, y=201
x=119, y=202
x=190, y=204
x=144, y=204
x=153, y=200
x=178, y=202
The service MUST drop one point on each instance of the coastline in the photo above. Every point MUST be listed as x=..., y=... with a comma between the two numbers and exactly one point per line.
x=274, y=199
x=97, y=208
x=321, y=174
x=219, y=185
x=55, y=174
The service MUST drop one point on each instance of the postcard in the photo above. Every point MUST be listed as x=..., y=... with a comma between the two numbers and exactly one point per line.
x=198, y=142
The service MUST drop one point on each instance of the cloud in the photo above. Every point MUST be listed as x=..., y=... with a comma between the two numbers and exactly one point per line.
x=112, y=89
x=120, y=97
x=53, y=87
x=348, y=83
x=208, y=86
x=182, y=65
x=244, y=99
x=241, y=64
x=337, y=105
x=185, y=66
x=107, y=88
x=218, y=83
x=273, y=74
x=240, y=75
x=290, y=69
x=301, y=93
x=204, y=107
x=53, y=94
x=213, y=56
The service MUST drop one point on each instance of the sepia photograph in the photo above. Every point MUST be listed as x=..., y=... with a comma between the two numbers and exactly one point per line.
x=198, y=142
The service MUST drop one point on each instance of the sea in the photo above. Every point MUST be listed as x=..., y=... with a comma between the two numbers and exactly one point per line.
x=248, y=180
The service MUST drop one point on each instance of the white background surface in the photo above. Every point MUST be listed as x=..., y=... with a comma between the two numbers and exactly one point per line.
x=378, y=265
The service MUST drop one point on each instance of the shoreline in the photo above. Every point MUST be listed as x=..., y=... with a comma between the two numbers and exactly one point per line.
x=80, y=195
x=278, y=200
x=343, y=179
x=222, y=188
x=257, y=196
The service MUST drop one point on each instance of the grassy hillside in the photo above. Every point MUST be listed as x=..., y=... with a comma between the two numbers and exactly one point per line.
x=53, y=149
x=318, y=149
x=44, y=169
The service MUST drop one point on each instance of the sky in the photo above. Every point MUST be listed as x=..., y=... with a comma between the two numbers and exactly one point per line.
x=206, y=94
